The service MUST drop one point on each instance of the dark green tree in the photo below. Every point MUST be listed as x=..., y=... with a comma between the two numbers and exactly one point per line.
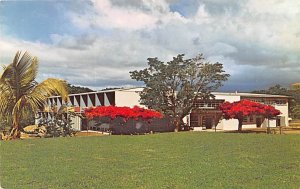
x=77, y=89
x=173, y=87
x=293, y=92
x=274, y=90
x=295, y=102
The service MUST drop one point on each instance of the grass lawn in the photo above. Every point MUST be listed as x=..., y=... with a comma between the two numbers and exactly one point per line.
x=173, y=160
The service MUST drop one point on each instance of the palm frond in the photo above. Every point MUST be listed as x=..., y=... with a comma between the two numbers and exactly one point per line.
x=21, y=108
x=6, y=98
x=48, y=88
x=27, y=82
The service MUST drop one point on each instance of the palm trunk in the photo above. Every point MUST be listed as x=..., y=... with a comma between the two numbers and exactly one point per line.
x=15, y=133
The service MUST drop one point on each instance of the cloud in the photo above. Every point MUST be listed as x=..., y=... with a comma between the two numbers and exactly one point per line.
x=106, y=15
x=258, y=42
x=146, y=14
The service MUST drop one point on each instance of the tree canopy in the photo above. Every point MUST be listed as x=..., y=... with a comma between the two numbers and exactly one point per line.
x=240, y=109
x=173, y=87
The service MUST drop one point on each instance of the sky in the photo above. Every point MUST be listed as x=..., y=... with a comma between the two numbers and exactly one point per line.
x=95, y=43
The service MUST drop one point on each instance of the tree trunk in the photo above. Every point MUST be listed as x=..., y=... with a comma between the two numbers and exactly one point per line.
x=240, y=125
x=178, y=122
x=177, y=125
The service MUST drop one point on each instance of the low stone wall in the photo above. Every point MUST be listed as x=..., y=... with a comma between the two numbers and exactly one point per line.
x=120, y=125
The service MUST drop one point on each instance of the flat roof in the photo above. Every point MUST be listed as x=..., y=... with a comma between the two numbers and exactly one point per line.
x=250, y=95
x=133, y=89
x=139, y=89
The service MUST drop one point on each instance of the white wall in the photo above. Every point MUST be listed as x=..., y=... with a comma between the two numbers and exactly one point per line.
x=128, y=98
x=231, y=124
x=77, y=123
x=284, y=109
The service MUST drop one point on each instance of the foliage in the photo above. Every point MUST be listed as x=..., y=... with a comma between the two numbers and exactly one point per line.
x=124, y=112
x=60, y=122
x=295, y=86
x=110, y=88
x=77, y=89
x=274, y=90
x=173, y=87
x=240, y=109
x=20, y=93
x=171, y=160
x=295, y=111
x=295, y=102
x=5, y=123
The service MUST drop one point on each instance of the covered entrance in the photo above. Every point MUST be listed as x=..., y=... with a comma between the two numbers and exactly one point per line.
x=280, y=121
x=207, y=119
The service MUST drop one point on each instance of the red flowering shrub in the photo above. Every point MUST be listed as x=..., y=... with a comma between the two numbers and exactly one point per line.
x=124, y=112
x=240, y=109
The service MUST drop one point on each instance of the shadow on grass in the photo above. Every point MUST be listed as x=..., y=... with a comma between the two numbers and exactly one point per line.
x=247, y=131
x=273, y=130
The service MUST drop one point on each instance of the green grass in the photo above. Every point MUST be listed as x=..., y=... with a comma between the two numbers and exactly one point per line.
x=173, y=160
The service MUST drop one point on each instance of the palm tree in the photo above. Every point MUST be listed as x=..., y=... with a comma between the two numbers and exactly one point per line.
x=20, y=93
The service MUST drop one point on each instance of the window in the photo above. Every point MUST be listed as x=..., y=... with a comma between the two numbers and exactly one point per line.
x=280, y=102
x=251, y=119
x=194, y=120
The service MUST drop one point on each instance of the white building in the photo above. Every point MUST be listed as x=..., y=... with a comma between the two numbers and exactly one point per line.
x=118, y=97
x=205, y=114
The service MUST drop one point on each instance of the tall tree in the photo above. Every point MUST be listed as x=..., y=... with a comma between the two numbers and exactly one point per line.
x=240, y=109
x=173, y=87
x=20, y=93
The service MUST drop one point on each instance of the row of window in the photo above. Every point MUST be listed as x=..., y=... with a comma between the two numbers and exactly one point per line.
x=194, y=120
x=269, y=101
x=208, y=104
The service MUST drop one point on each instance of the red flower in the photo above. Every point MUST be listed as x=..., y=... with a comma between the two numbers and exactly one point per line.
x=125, y=112
x=243, y=108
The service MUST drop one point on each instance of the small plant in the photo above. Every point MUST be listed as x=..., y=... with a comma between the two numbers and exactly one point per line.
x=60, y=123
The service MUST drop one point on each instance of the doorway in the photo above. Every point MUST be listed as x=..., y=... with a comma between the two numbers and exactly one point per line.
x=208, y=122
x=259, y=122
